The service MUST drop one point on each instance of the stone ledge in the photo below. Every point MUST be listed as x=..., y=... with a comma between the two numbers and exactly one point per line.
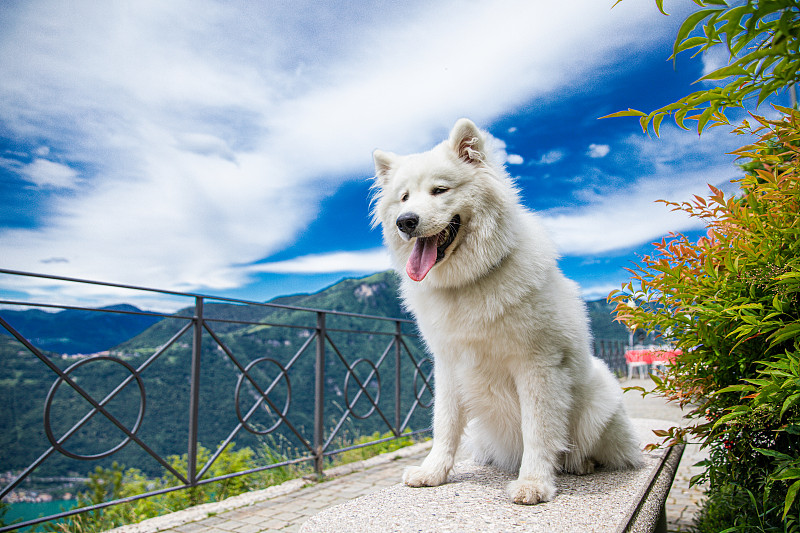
x=474, y=499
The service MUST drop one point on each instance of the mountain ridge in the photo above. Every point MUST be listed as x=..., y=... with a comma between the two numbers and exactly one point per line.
x=74, y=332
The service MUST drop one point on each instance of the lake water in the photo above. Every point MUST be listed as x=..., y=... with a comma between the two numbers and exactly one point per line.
x=30, y=510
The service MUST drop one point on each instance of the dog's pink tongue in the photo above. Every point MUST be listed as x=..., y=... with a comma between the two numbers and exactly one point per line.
x=422, y=259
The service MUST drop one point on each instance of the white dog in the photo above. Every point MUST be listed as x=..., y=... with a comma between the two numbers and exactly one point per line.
x=508, y=332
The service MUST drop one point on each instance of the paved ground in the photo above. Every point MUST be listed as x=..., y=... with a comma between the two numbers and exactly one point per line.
x=285, y=508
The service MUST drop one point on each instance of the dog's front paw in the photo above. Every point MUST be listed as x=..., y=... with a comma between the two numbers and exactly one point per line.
x=419, y=476
x=530, y=492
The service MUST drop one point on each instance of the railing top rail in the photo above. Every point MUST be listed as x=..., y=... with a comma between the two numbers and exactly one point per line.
x=185, y=295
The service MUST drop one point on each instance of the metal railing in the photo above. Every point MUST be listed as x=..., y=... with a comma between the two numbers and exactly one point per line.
x=613, y=353
x=409, y=393
x=362, y=374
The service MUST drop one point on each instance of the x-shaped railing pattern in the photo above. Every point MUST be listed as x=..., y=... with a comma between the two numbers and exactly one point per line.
x=316, y=446
x=397, y=427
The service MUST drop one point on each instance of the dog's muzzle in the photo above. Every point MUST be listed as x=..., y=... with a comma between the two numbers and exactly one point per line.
x=407, y=223
x=428, y=250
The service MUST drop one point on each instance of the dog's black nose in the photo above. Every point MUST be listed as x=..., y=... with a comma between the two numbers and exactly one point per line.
x=407, y=222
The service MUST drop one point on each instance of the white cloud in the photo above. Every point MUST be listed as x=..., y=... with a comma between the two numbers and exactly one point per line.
x=618, y=222
x=597, y=151
x=59, y=293
x=514, y=159
x=680, y=165
x=551, y=157
x=205, y=145
x=49, y=174
x=715, y=58
x=364, y=261
x=212, y=138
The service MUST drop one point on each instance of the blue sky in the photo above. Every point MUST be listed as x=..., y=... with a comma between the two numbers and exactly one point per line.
x=225, y=147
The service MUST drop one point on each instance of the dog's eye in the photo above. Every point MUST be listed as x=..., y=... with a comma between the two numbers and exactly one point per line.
x=404, y=198
x=436, y=191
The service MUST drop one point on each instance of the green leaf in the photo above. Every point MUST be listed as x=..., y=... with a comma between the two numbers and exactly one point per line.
x=703, y=120
x=773, y=453
x=702, y=97
x=725, y=418
x=629, y=113
x=735, y=388
x=691, y=42
x=739, y=307
x=690, y=24
x=791, y=494
x=759, y=382
x=734, y=17
x=790, y=401
x=789, y=473
x=790, y=331
x=778, y=304
x=657, y=122
x=679, y=118
x=725, y=72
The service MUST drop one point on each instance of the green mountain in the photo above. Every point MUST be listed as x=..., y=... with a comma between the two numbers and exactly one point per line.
x=373, y=295
x=76, y=331
x=603, y=325
x=265, y=340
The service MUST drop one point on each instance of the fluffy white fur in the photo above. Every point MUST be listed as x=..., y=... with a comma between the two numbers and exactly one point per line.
x=508, y=332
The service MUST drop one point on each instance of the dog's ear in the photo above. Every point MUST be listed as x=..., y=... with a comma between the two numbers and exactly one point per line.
x=467, y=142
x=383, y=164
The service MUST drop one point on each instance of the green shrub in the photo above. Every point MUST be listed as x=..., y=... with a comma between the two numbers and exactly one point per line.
x=106, y=484
x=731, y=302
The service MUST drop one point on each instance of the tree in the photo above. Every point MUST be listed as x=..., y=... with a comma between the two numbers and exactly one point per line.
x=762, y=38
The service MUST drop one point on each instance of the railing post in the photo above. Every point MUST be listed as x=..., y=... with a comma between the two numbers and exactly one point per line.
x=319, y=395
x=397, y=340
x=194, y=391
